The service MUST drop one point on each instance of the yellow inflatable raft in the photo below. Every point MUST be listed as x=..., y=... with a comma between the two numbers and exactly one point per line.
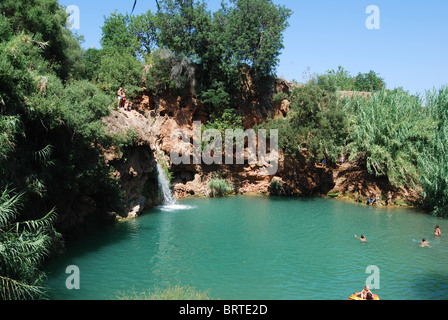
x=357, y=296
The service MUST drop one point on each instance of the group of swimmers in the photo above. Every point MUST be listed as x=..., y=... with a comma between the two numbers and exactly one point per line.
x=122, y=101
x=374, y=199
x=424, y=243
x=437, y=233
x=366, y=294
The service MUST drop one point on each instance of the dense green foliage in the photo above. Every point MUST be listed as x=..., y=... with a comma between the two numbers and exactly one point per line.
x=91, y=59
x=395, y=133
x=53, y=94
x=433, y=164
x=215, y=55
x=51, y=125
x=391, y=130
x=52, y=100
x=23, y=247
x=119, y=68
x=45, y=22
x=342, y=80
x=135, y=34
x=316, y=123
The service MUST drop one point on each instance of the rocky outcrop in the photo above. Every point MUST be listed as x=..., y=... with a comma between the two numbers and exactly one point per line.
x=134, y=166
x=352, y=180
x=154, y=121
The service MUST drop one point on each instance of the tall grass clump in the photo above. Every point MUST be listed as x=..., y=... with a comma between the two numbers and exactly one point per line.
x=220, y=188
x=390, y=130
x=433, y=162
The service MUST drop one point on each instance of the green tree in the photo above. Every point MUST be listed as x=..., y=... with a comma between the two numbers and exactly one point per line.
x=334, y=80
x=51, y=133
x=91, y=61
x=255, y=31
x=135, y=34
x=225, y=120
x=241, y=56
x=116, y=33
x=144, y=30
x=119, y=68
x=369, y=82
x=317, y=123
x=184, y=27
x=45, y=20
x=230, y=48
x=169, y=73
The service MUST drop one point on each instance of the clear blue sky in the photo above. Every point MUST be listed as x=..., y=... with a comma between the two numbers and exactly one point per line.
x=409, y=50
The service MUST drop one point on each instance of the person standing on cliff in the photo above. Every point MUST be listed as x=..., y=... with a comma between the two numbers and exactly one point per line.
x=120, y=94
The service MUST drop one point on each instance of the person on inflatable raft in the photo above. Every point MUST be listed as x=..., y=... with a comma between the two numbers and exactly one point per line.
x=365, y=294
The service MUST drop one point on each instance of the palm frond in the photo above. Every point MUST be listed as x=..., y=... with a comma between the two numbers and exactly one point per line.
x=11, y=289
x=23, y=247
x=9, y=206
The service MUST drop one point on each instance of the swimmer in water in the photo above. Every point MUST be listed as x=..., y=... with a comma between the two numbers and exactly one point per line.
x=424, y=244
x=437, y=232
x=362, y=238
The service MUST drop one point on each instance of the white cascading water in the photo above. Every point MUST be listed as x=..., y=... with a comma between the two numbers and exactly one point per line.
x=168, y=198
x=169, y=201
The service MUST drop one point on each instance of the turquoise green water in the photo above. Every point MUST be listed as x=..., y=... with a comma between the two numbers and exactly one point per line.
x=257, y=248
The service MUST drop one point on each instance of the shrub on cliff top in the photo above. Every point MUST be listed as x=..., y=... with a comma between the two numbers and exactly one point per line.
x=316, y=122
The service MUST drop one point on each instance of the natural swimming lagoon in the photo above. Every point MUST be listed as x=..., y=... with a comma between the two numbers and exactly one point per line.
x=261, y=248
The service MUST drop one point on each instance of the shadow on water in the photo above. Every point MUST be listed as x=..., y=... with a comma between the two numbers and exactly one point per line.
x=433, y=286
x=105, y=236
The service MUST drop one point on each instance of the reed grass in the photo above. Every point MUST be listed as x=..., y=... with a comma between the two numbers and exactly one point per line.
x=391, y=130
x=433, y=163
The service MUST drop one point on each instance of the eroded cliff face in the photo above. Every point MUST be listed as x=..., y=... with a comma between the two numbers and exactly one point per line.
x=176, y=113
x=155, y=120
x=134, y=167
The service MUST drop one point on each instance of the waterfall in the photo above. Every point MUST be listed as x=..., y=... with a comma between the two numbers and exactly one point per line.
x=169, y=201
x=168, y=197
